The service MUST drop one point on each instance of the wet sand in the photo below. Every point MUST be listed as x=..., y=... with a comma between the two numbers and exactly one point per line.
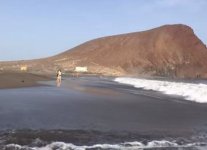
x=91, y=103
x=93, y=110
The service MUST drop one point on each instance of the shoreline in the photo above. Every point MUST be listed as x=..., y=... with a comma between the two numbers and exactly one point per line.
x=96, y=104
x=89, y=137
x=11, y=79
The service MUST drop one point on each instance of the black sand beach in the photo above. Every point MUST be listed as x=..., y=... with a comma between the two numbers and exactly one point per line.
x=21, y=79
x=88, y=110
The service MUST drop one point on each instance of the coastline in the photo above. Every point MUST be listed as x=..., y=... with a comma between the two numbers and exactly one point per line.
x=91, y=110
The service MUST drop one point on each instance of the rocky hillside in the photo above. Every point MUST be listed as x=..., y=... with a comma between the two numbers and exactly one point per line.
x=169, y=50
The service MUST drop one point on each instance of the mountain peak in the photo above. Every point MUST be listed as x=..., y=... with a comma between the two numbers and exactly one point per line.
x=169, y=50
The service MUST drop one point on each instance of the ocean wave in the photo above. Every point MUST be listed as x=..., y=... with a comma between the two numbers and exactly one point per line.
x=122, y=146
x=190, y=91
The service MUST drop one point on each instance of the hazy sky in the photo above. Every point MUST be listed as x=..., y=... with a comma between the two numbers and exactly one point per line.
x=40, y=28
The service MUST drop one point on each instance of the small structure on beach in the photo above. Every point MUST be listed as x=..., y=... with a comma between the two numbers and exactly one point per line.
x=23, y=68
x=81, y=69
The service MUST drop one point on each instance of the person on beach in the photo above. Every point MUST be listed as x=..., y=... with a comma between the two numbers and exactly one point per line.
x=59, y=73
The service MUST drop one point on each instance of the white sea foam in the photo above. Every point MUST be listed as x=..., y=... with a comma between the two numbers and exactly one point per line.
x=190, y=91
x=122, y=146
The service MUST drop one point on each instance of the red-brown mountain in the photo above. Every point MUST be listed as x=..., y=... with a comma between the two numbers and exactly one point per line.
x=169, y=50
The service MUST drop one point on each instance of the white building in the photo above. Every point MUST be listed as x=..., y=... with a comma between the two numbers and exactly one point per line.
x=81, y=69
x=23, y=68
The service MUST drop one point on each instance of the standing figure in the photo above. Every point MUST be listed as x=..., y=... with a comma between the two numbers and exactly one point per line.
x=59, y=73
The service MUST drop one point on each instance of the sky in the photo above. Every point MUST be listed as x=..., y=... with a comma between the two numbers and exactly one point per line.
x=32, y=29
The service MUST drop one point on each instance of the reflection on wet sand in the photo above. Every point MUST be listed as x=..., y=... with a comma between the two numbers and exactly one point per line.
x=80, y=85
x=58, y=83
x=97, y=91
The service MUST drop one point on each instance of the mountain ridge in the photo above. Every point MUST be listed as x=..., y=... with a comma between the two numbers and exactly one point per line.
x=169, y=50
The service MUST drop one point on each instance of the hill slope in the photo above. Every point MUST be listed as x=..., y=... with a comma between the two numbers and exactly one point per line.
x=169, y=50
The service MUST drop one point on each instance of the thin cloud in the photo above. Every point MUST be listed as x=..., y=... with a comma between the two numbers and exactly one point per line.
x=175, y=3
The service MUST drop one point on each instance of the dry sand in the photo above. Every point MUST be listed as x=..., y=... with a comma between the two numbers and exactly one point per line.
x=21, y=79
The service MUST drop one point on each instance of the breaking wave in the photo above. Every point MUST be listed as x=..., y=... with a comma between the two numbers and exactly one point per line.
x=190, y=91
x=122, y=146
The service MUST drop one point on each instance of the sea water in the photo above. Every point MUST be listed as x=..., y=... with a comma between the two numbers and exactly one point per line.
x=190, y=91
x=162, y=145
